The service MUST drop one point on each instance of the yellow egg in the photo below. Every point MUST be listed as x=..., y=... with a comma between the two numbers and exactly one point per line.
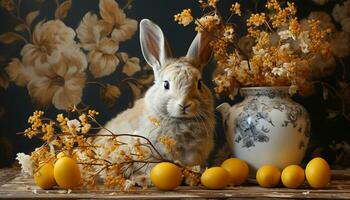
x=237, y=169
x=215, y=178
x=268, y=176
x=293, y=176
x=67, y=173
x=318, y=173
x=44, y=177
x=166, y=176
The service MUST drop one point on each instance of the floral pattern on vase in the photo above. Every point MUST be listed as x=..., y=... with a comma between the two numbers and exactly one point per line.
x=267, y=127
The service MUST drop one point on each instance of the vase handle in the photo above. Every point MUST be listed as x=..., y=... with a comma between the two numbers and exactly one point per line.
x=224, y=109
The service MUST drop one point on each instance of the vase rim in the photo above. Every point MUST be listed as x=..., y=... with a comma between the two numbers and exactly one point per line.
x=266, y=88
x=265, y=91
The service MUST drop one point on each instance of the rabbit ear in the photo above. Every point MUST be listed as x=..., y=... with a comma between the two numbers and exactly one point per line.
x=200, y=49
x=155, y=48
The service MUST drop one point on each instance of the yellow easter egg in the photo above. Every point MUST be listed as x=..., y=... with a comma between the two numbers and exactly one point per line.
x=215, y=178
x=237, y=169
x=293, y=176
x=44, y=176
x=166, y=176
x=268, y=176
x=318, y=173
x=67, y=173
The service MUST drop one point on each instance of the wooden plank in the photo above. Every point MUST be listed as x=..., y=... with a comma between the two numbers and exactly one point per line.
x=24, y=188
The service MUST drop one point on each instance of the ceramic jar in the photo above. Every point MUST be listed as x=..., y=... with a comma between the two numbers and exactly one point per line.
x=267, y=127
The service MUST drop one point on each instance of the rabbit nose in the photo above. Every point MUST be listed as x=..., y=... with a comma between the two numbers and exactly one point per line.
x=184, y=107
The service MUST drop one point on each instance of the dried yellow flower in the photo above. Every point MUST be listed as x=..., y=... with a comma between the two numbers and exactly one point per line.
x=236, y=9
x=184, y=18
x=154, y=121
x=167, y=142
x=213, y=3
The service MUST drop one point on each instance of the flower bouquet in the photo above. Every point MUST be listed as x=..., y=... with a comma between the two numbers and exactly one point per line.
x=276, y=50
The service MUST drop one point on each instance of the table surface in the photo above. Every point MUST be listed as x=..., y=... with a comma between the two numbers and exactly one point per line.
x=15, y=186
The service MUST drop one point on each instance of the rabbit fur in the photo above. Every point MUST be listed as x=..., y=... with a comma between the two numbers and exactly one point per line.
x=178, y=99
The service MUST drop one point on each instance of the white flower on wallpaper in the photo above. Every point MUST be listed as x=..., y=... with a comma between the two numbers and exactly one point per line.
x=61, y=84
x=103, y=60
x=101, y=37
x=56, y=60
x=47, y=37
x=131, y=66
x=341, y=14
x=123, y=27
x=18, y=73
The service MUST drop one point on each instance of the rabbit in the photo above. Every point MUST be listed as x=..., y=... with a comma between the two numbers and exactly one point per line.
x=178, y=99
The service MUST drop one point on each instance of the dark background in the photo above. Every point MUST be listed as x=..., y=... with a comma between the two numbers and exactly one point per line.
x=16, y=104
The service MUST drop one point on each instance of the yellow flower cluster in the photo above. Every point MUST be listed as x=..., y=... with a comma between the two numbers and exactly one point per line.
x=36, y=122
x=236, y=9
x=167, y=142
x=184, y=18
x=213, y=3
x=207, y=23
x=113, y=157
x=277, y=51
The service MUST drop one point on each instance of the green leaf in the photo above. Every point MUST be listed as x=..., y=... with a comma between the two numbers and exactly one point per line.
x=10, y=37
x=62, y=11
x=31, y=16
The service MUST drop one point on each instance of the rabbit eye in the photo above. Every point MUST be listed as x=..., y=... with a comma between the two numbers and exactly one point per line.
x=199, y=84
x=166, y=85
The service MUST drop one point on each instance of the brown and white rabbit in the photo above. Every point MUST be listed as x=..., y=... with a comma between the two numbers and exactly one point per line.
x=178, y=99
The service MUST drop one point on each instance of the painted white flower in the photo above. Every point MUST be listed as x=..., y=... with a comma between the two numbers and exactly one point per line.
x=26, y=163
x=74, y=125
x=132, y=65
x=322, y=66
x=124, y=28
x=47, y=36
x=90, y=31
x=61, y=84
x=103, y=60
x=324, y=18
x=345, y=23
x=286, y=34
x=339, y=12
x=110, y=94
x=18, y=73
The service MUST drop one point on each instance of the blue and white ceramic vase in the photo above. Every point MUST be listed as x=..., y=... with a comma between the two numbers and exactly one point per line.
x=267, y=127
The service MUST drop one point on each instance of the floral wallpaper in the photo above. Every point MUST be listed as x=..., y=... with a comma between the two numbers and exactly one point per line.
x=55, y=54
x=57, y=63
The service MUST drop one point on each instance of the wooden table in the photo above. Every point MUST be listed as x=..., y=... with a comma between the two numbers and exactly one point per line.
x=14, y=186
